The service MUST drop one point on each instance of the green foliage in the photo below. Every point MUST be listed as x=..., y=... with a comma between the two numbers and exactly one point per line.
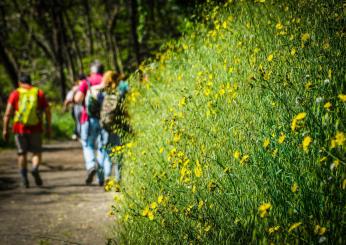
x=240, y=134
x=62, y=123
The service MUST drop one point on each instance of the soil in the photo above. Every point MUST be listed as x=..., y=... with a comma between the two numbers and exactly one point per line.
x=63, y=211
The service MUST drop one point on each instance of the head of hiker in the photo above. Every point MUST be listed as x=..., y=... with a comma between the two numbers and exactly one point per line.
x=25, y=79
x=96, y=67
x=111, y=79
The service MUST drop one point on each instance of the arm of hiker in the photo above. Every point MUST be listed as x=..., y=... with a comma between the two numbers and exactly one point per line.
x=79, y=97
x=7, y=116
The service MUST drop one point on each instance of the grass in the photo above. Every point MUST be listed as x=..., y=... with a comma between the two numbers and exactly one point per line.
x=239, y=130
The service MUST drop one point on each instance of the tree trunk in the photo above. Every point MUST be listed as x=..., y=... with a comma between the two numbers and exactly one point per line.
x=134, y=23
x=9, y=63
x=89, y=26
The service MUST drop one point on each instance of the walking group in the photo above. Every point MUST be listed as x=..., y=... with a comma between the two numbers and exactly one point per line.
x=98, y=110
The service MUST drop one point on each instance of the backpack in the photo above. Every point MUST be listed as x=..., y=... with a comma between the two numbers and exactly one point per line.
x=92, y=101
x=111, y=115
x=27, y=112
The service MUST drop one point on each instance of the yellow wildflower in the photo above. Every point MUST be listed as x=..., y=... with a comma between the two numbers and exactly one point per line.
x=236, y=154
x=182, y=102
x=212, y=185
x=279, y=26
x=266, y=143
x=305, y=37
x=200, y=204
x=275, y=152
x=160, y=199
x=263, y=209
x=344, y=184
x=153, y=205
x=273, y=229
x=293, y=51
x=294, y=187
x=161, y=149
x=340, y=138
x=244, y=159
x=207, y=228
x=327, y=105
x=320, y=230
x=306, y=142
x=296, y=119
x=150, y=215
x=308, y=85
x=145, y=211
x=198, y=169
x=335, y=164
x=294, y=226
x=342, y=97
x=176, y=138
x=281, y=138
x=270, y=57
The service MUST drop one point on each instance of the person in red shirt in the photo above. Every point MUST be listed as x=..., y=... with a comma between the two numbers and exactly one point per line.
x=27, y=104
x=90, y=126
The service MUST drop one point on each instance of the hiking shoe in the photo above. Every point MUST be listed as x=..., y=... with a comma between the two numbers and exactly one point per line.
x=90, y=176
x=25, y=182
x=37, y=177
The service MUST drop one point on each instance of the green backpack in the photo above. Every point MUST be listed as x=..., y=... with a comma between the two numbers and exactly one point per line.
x=27, y=112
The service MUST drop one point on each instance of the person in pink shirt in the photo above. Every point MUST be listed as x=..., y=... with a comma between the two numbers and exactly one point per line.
x=90, y=126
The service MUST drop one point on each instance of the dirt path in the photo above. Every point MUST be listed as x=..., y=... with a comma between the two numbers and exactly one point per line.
x=64, y=211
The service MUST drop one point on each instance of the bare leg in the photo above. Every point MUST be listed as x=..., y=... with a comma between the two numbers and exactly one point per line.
x=22, y=161
x=22, y=164
x=36, y=161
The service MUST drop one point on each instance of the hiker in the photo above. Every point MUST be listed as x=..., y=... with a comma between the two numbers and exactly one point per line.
x=111, y=120
x=27, y=103
x=90, y=126
x=76, y=109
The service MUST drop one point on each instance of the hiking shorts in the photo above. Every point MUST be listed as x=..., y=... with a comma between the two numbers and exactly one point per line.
x=28, y=143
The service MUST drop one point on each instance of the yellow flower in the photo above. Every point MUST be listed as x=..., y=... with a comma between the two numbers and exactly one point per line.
x=281, y=138
x=198, y=169
x=160, y=199
x=306, y=142
x=327, y=105
x=153, y=205
x=176, y=138
x=300, y=116
x=182, y=102
x=244, y=159
x=161, y=149
x=263, y=209
x=293, y=51
x=335, y=164
x=207, y=228
x=270, y=57
x=294, y=226
x=305, y=37
x=294, y=187
x=308, y=85
x=279, y=26
x=340, y=138
x=320, y=230
x=212, y=185
x=344, y=184
x=236, y=154
x=271, y=230
x=145, y=211
x=150, y=215
x=200, y=204
x=266, y=143
x=342, y=97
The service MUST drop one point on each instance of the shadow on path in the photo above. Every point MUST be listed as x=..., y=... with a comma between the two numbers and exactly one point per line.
x=63, y=211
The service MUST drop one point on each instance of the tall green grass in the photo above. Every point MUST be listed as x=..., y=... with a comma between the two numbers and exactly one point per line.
x=239, y=130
